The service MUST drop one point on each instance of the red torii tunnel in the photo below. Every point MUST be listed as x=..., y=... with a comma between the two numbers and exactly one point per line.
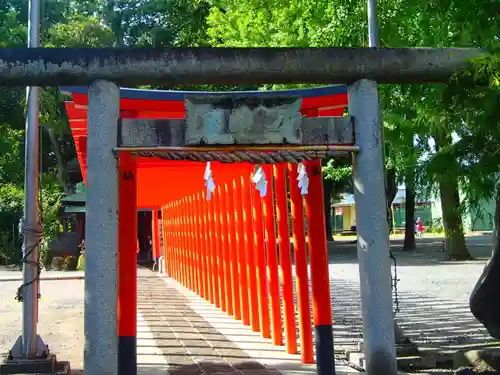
x=224, y=248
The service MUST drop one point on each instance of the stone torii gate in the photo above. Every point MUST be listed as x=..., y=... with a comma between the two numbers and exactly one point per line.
x=361, y=68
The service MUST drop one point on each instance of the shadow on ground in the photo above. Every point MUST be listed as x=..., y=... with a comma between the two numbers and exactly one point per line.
x=205, y=367
x=187, y=342
x=429, y=251
x=432, y=304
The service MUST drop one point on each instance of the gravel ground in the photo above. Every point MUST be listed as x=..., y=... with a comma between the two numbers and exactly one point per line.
x=60, y=319
x=433, y=293
x=434, y=301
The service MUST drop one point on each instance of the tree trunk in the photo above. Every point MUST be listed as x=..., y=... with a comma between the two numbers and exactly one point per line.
x=62, y=173
x=390, y=193
x=327, y=196
x=409, y=241
x=496, y=227
x=455, y=245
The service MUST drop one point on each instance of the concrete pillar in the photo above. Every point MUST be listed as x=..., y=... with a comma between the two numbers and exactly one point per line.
x=101, y=244
x=373, y=231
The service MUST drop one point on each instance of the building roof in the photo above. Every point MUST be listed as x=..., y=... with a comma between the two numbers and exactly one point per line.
x=80, y=195
x=345, y=201
x=400, y=198
x=174, y=95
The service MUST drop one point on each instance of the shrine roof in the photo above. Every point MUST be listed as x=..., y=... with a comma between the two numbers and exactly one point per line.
x=153, y=173
x=173, y=95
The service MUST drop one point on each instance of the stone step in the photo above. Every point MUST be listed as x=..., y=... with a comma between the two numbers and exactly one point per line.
x=408, y=363
x=403, y=350
x=482, y=359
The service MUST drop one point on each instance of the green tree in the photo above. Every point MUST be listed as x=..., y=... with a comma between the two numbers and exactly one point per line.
x=60, y=27
x=322, y=23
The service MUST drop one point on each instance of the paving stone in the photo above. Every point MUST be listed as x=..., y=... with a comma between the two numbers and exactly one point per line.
x=178, y=359
x=248, y=365
x=200, y=351
x=165, y=342
x=183, y=371
x=199, y=342
x=189, y=336
x=203, y=324
x=210, y=367
x=263, y=371
x=179, y=350
x=214, y=337
x=232, y=352
x=182, y=324
x=188, y=331
x=208, y=331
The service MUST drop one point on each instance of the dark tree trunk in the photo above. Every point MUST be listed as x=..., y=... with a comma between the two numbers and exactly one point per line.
x=409, y=241
x=390, y=193
x=327, y=196
x=455, y=245
x=62, y=173
x=496, y=226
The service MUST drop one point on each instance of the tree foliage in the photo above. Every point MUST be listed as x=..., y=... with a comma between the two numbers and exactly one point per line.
x=413, y=116
x=416, y=118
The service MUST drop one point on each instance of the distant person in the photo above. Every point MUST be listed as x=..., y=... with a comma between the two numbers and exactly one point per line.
x=150, y=248
x=151, y=255
x=419, y=227
x=81, y=246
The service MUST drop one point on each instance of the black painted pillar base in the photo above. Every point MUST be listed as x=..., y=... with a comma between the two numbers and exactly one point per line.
x=127, y=355
x=325, y=357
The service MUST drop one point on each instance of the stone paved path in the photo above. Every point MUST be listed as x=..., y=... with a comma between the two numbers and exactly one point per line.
x=189, y=344
x=433, y=297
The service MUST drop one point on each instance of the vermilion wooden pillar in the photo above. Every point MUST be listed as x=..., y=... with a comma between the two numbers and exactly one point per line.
x=127, y=266
x=226, y=248
x=185, y=242
x=219, y=245
x=194, y=245
x=208, y=250
x=320, y=281
x=213, y=250
x=302, y=278
x=164, y=230
x=250, y=257
x=272, y=259
x=240, y=242
x=260, y=258
x=285, y=256
x=155, y=238
x=233, y=252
